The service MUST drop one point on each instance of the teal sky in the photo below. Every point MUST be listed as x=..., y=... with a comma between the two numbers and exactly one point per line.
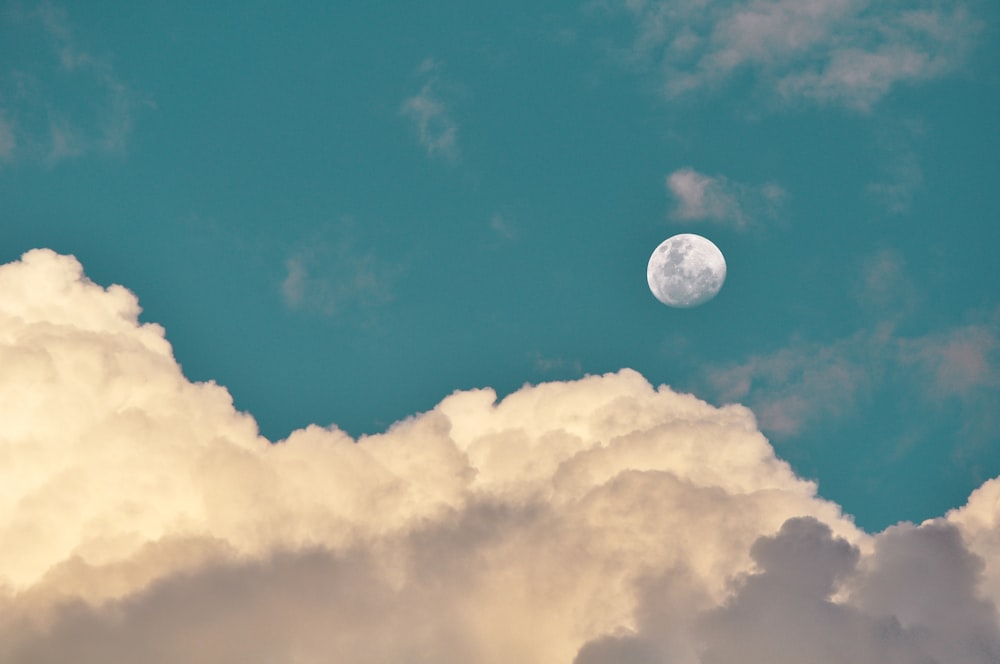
x=345, y=211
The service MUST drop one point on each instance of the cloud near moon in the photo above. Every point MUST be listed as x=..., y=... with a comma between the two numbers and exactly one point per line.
x=143, y=518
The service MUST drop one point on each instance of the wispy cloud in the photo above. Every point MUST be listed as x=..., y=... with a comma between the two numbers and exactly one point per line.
x=904, y=176
x=431, y=115
x=844, y=52
x=901, y=173
x=805, y=383
x=8, y=141
x=502, y=227
x=44, y=116
x=702, y=197
x=335, y=274
x=795, y=386
x=884, y=286
x=174, y=532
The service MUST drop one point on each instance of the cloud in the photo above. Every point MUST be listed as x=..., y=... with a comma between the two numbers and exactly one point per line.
x=502, y=227
x=8, y=141
x=333, y=275
x=793, y=386
x=67, y=105
x=797, y=386
x=431, y=116
x=979, y=522
x=884, y=285
x=843, y=52
x=785, y=612
x=913, y=599
x=904, y=176
x=901, y=173
x=806, y=383
x=143, y=517
x=702, y=197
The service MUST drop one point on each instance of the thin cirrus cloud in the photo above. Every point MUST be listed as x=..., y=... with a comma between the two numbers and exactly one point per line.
x=901, y=176
x=803, y=383
x=797, y=386
x=431, y=115
x=35, y=122
x=701, y=197
x=335, y=274
x=600, y=520
x=842, y=52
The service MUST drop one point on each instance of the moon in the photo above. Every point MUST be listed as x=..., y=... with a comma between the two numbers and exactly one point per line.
x=686, y=270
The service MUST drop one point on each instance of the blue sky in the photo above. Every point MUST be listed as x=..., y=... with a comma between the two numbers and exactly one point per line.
x=343, y=213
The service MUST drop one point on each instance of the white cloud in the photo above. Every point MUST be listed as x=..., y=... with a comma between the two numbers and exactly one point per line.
x=704, y=197
x=432, y=117
x=846, y=52
x=979, y=522
x=142, y=517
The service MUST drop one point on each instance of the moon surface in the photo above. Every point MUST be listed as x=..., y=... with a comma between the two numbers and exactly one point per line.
x=686, y=270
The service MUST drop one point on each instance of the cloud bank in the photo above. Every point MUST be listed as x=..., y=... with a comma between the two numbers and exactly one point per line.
x=143, y=518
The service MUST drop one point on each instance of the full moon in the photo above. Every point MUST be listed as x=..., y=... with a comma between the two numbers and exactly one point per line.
x=686, y=270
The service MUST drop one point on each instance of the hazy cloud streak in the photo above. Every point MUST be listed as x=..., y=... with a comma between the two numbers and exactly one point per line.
x=431, y=116
x=844, y=52
x=702, y=197
x=36, y=122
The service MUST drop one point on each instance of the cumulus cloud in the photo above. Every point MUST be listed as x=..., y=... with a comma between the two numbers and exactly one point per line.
x=703, y=197
x=143, y=518
x=66, y=105
x=431, y=115
x=845, y=52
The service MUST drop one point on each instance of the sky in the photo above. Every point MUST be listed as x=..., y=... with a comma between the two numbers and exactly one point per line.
x=320, y=314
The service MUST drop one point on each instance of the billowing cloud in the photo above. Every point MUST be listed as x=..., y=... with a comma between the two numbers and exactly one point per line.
x=979, y=522
x=431, y=115
x=143, y=518
x=845, y=52
x=703, y=197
